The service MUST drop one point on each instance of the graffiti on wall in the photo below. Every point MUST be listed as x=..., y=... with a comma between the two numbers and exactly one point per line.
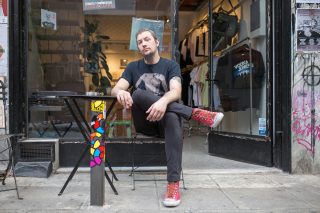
x=306, y=101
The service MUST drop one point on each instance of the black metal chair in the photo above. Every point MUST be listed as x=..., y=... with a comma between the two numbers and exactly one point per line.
x=140, y=167
x=137, y=138
x=7, y=146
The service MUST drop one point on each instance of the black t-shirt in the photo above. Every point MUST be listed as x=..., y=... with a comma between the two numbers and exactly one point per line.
x=152, y=77
x=233, y=78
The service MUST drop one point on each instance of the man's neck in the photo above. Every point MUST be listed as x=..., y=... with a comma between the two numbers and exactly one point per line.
x=152, y=59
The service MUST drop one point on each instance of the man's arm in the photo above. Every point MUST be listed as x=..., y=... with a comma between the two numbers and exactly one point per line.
x=157, y=110
x=120, y=91
x=174, y=94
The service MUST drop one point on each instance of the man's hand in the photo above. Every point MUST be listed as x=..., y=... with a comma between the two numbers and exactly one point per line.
x=157, y=110
x=124, y=98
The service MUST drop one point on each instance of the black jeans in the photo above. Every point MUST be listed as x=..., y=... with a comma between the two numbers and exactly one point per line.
x=169, y=127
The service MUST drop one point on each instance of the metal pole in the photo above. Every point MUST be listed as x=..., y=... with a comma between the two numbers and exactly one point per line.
x=175, y=55
x=250, y=70
x=97, y=160
x=210, y=60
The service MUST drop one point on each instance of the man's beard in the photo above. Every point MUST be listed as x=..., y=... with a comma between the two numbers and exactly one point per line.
x=149, y=56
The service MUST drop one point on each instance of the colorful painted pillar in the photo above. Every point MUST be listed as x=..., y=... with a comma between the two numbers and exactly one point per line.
x=97, y=154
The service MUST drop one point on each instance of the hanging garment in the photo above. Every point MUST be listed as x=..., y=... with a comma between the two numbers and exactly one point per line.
x=195, y=93
x=233, y=78
x=204, y=84
x=216, y=95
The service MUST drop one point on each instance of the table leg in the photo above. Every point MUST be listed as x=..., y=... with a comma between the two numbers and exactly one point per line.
x=74, y=169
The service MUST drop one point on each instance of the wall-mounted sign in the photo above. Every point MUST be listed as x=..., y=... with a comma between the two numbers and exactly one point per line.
x=48, y=19
x=308, y=30
x=138, y=23
x=98, y=4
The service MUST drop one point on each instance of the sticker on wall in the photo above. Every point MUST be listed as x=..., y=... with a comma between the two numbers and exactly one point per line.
x=308, y=30
x=97, y=106
x=262, y=126
x=48, y=19
x=138, y=23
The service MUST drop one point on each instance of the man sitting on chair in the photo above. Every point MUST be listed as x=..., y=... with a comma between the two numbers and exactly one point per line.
x=155, y=107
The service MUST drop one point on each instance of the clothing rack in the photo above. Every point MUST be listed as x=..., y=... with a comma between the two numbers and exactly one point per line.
x=236, y=45
x=204, y=20
x=236, y=6
x=233, y=7
x=197, y=26
x=190, y=67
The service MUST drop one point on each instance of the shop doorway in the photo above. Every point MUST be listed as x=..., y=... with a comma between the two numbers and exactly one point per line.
x=62, y=56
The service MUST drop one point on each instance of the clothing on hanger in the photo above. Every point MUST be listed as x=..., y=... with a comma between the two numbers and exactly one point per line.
x=233, y=78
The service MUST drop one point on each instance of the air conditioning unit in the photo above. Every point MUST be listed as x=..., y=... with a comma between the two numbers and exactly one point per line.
x=37, y=157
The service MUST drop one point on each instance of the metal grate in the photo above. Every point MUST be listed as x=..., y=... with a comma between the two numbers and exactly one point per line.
x=35, y=151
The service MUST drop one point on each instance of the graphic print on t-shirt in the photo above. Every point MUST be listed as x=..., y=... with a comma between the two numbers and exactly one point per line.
x=153, y=82
x=242, y=69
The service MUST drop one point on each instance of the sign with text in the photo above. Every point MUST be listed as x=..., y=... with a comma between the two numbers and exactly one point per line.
x=98, y=4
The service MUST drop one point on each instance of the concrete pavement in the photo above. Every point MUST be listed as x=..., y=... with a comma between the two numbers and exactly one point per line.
x=218, y=190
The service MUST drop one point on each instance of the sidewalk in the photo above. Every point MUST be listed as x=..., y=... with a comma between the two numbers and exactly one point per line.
x=218, y=190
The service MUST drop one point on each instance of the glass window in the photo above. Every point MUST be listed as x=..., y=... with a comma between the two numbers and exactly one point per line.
x=240, y=68
x=63, y=40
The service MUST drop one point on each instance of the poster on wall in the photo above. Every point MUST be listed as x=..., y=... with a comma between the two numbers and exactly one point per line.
x=308, y=30
x=3, y=49
x=48, y=19
x=138, y=23
x=307, y=1
x=308, y=4
x=98, y=4
x=3, y=11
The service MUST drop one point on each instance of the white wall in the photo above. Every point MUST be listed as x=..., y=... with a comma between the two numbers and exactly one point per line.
x=305, y=101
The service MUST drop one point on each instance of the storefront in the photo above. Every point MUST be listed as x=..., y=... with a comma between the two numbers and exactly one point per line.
x=250, y=94
x=249, y=61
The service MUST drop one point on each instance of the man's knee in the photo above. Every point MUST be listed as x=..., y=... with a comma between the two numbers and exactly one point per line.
x=137, y=95
x=173, y=119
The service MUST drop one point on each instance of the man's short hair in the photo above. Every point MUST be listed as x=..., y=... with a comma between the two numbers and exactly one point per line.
x=147, y=30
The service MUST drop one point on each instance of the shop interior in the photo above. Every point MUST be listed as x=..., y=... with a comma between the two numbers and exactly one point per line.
x=58, y=61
